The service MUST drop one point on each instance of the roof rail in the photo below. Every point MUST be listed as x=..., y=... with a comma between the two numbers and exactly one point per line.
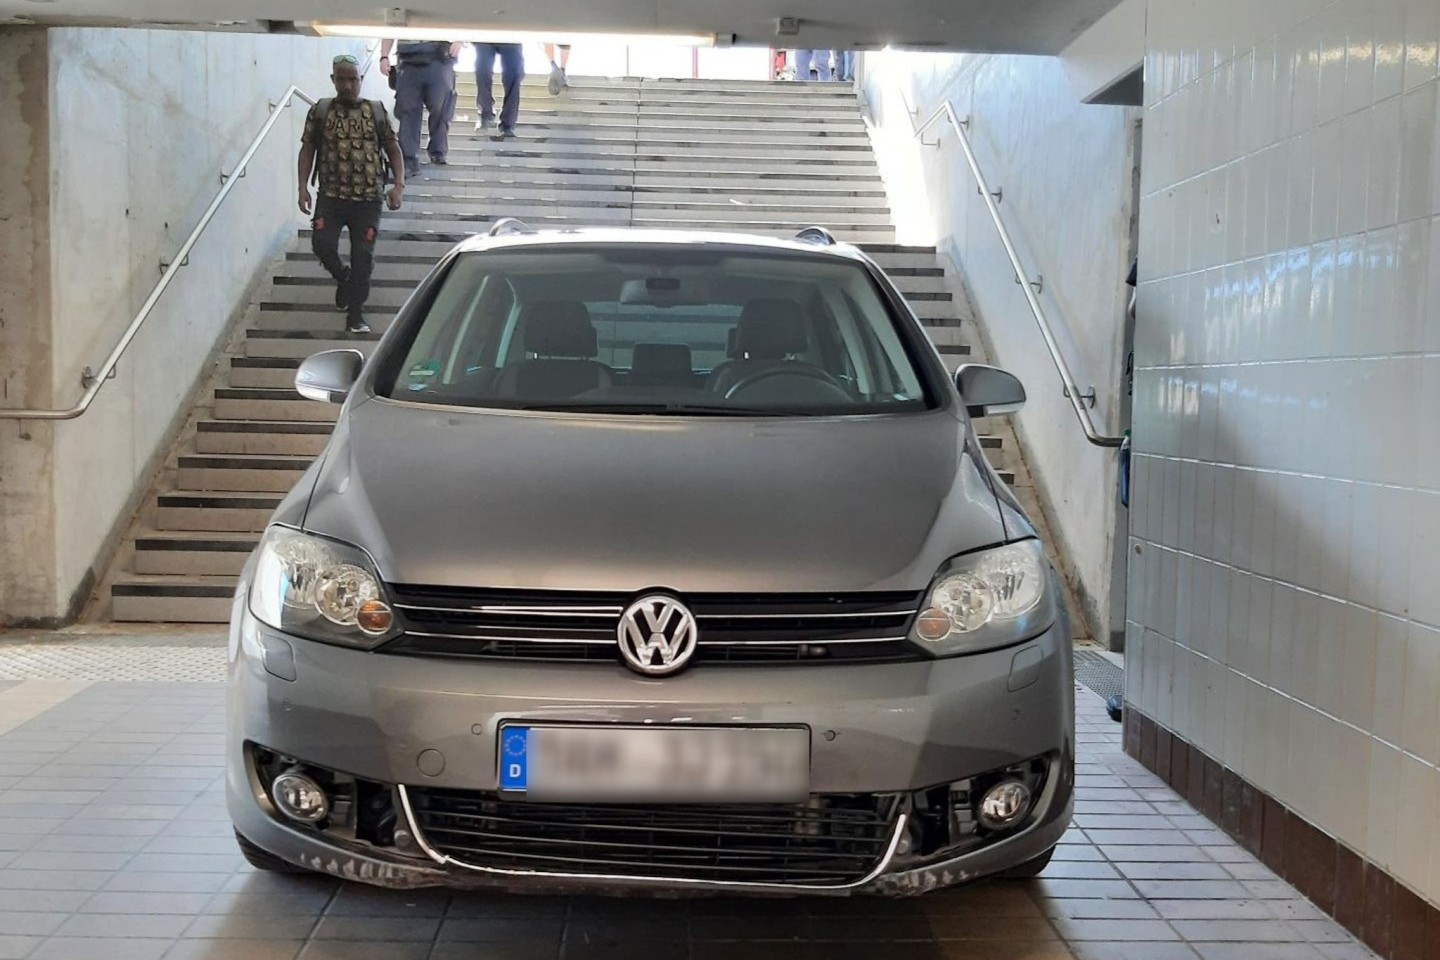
x=510, y=226
x=817, y=235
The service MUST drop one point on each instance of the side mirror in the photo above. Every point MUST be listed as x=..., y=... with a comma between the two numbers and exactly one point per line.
x=989, y=391
x=328, y=376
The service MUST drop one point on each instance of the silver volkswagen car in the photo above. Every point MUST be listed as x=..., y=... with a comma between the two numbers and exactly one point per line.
x=652, y=562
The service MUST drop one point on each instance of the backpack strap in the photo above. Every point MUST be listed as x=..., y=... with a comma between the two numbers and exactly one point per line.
x=322, y=110
x=378, y=111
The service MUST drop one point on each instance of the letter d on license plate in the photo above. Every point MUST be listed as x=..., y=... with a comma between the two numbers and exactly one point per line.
x=642, y=764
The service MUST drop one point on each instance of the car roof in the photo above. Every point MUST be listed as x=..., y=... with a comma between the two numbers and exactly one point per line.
x=611, y=236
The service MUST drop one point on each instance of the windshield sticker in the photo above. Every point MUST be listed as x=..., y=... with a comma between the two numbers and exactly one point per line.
x=422, y=373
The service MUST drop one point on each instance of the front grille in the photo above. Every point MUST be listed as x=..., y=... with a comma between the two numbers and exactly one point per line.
x=830, y=841
x=734, y=629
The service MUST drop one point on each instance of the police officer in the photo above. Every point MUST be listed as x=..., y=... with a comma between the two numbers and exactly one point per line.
x=426, y=81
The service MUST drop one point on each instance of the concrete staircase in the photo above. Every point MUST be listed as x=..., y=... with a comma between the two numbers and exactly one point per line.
x=756, y=157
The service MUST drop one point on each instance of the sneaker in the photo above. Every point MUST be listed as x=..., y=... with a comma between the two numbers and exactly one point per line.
x=564, y=80
x=342, y=299
x=440, y=161
x=557, y=80
x=504, y=134
x=483, y=126
x=357, y=326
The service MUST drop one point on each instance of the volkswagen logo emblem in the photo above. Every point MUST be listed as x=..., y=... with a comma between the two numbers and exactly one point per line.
x=657, y=635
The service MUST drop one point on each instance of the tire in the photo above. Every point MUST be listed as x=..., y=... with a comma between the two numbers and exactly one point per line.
x=1030, y=869
x=264, y=859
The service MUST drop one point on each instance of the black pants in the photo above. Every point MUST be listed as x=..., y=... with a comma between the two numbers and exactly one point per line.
x=362, y=217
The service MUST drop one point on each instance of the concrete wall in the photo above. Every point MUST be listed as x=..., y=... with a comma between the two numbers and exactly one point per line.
x=1067, y=175
x=141, y=125
x=1284, y=614
x=26, y=504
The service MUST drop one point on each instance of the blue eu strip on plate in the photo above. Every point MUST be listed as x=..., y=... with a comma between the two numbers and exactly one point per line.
x=514, y=750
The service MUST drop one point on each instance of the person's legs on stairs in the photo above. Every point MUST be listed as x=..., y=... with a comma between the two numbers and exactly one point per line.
x=485, y=82
x=410, y=109
x=364, y=223
x=439, y=91
x=325, y=228
x=803, y=60
x=512, y=71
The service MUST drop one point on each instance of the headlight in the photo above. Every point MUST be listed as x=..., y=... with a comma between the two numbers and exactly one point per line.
x=986, y=600
x=320, y=589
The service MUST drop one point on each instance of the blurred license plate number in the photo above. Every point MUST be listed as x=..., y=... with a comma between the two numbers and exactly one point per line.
x=627, y=764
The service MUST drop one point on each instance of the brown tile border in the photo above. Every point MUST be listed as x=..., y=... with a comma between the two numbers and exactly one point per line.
x=1389, y=918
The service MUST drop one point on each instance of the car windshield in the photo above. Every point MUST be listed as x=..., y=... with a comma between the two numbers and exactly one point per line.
x=661, y=328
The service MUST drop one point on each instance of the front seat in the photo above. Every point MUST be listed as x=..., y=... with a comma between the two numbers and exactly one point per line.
x=770, y=331
x=563, y=343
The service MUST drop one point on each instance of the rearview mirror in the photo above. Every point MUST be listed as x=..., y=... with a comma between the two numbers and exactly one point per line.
x=328, y=376
x=989, y=391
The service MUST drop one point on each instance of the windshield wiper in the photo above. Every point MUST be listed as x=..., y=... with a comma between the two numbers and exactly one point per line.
x=662, y=409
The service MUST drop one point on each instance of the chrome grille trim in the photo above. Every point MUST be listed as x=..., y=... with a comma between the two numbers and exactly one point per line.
x=881, y=866
x=577, y=626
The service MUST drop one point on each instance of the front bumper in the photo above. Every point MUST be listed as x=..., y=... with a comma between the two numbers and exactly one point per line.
x=875, y=729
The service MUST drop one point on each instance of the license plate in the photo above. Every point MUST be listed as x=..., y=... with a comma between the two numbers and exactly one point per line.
x=642, y=764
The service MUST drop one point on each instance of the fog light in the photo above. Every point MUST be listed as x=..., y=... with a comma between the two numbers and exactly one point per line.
x=300, y=798
x=1004, y=805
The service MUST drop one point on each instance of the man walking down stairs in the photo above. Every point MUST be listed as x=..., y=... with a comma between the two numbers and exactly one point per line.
x=755, y=157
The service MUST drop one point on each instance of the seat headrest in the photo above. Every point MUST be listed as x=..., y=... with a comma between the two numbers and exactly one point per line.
x=770, y=330
x=732, y=339
x=559, y=328
x=661, y=359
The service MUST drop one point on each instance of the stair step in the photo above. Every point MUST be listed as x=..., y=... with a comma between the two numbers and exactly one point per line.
x=428, y=251
x=944, y=337
x=299, y=344
x=661, y=154
x=262, y=404
x=136, y=599
x=189, y=554
x=706, y=126
x=499, y=198
x=214, y=512
x=389, y=296
x=241, y=474
x=262, y=438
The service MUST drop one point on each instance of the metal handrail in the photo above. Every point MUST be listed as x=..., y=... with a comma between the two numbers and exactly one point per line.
x=92, y=381
x=992, y=203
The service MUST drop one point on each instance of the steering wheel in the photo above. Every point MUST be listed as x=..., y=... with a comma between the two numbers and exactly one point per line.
x=805, y=371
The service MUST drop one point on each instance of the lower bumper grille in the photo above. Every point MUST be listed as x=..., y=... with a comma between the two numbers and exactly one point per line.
x=832, y=840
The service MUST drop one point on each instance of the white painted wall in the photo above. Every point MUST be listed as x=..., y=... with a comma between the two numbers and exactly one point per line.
x=1067, y=177
x=1106, y=52
x=142, y=123
x=1284, y=612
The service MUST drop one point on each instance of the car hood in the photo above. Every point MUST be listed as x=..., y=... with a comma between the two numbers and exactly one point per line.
x=441, y=497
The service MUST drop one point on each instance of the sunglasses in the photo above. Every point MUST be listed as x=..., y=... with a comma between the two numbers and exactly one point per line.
x=351, y=59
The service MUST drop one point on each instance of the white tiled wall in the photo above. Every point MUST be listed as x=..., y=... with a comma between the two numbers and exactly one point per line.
x=1284, y=598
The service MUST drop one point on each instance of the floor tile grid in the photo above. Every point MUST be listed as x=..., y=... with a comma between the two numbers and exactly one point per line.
x=1191, y=890
x=153, y=862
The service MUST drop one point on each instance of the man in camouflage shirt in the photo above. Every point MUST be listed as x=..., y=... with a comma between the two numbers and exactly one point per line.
x=346, y=143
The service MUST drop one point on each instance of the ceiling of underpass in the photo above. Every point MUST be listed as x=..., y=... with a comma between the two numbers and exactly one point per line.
x=1011, y=26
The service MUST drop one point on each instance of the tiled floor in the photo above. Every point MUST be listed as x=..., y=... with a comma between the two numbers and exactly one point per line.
x=114, y=845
